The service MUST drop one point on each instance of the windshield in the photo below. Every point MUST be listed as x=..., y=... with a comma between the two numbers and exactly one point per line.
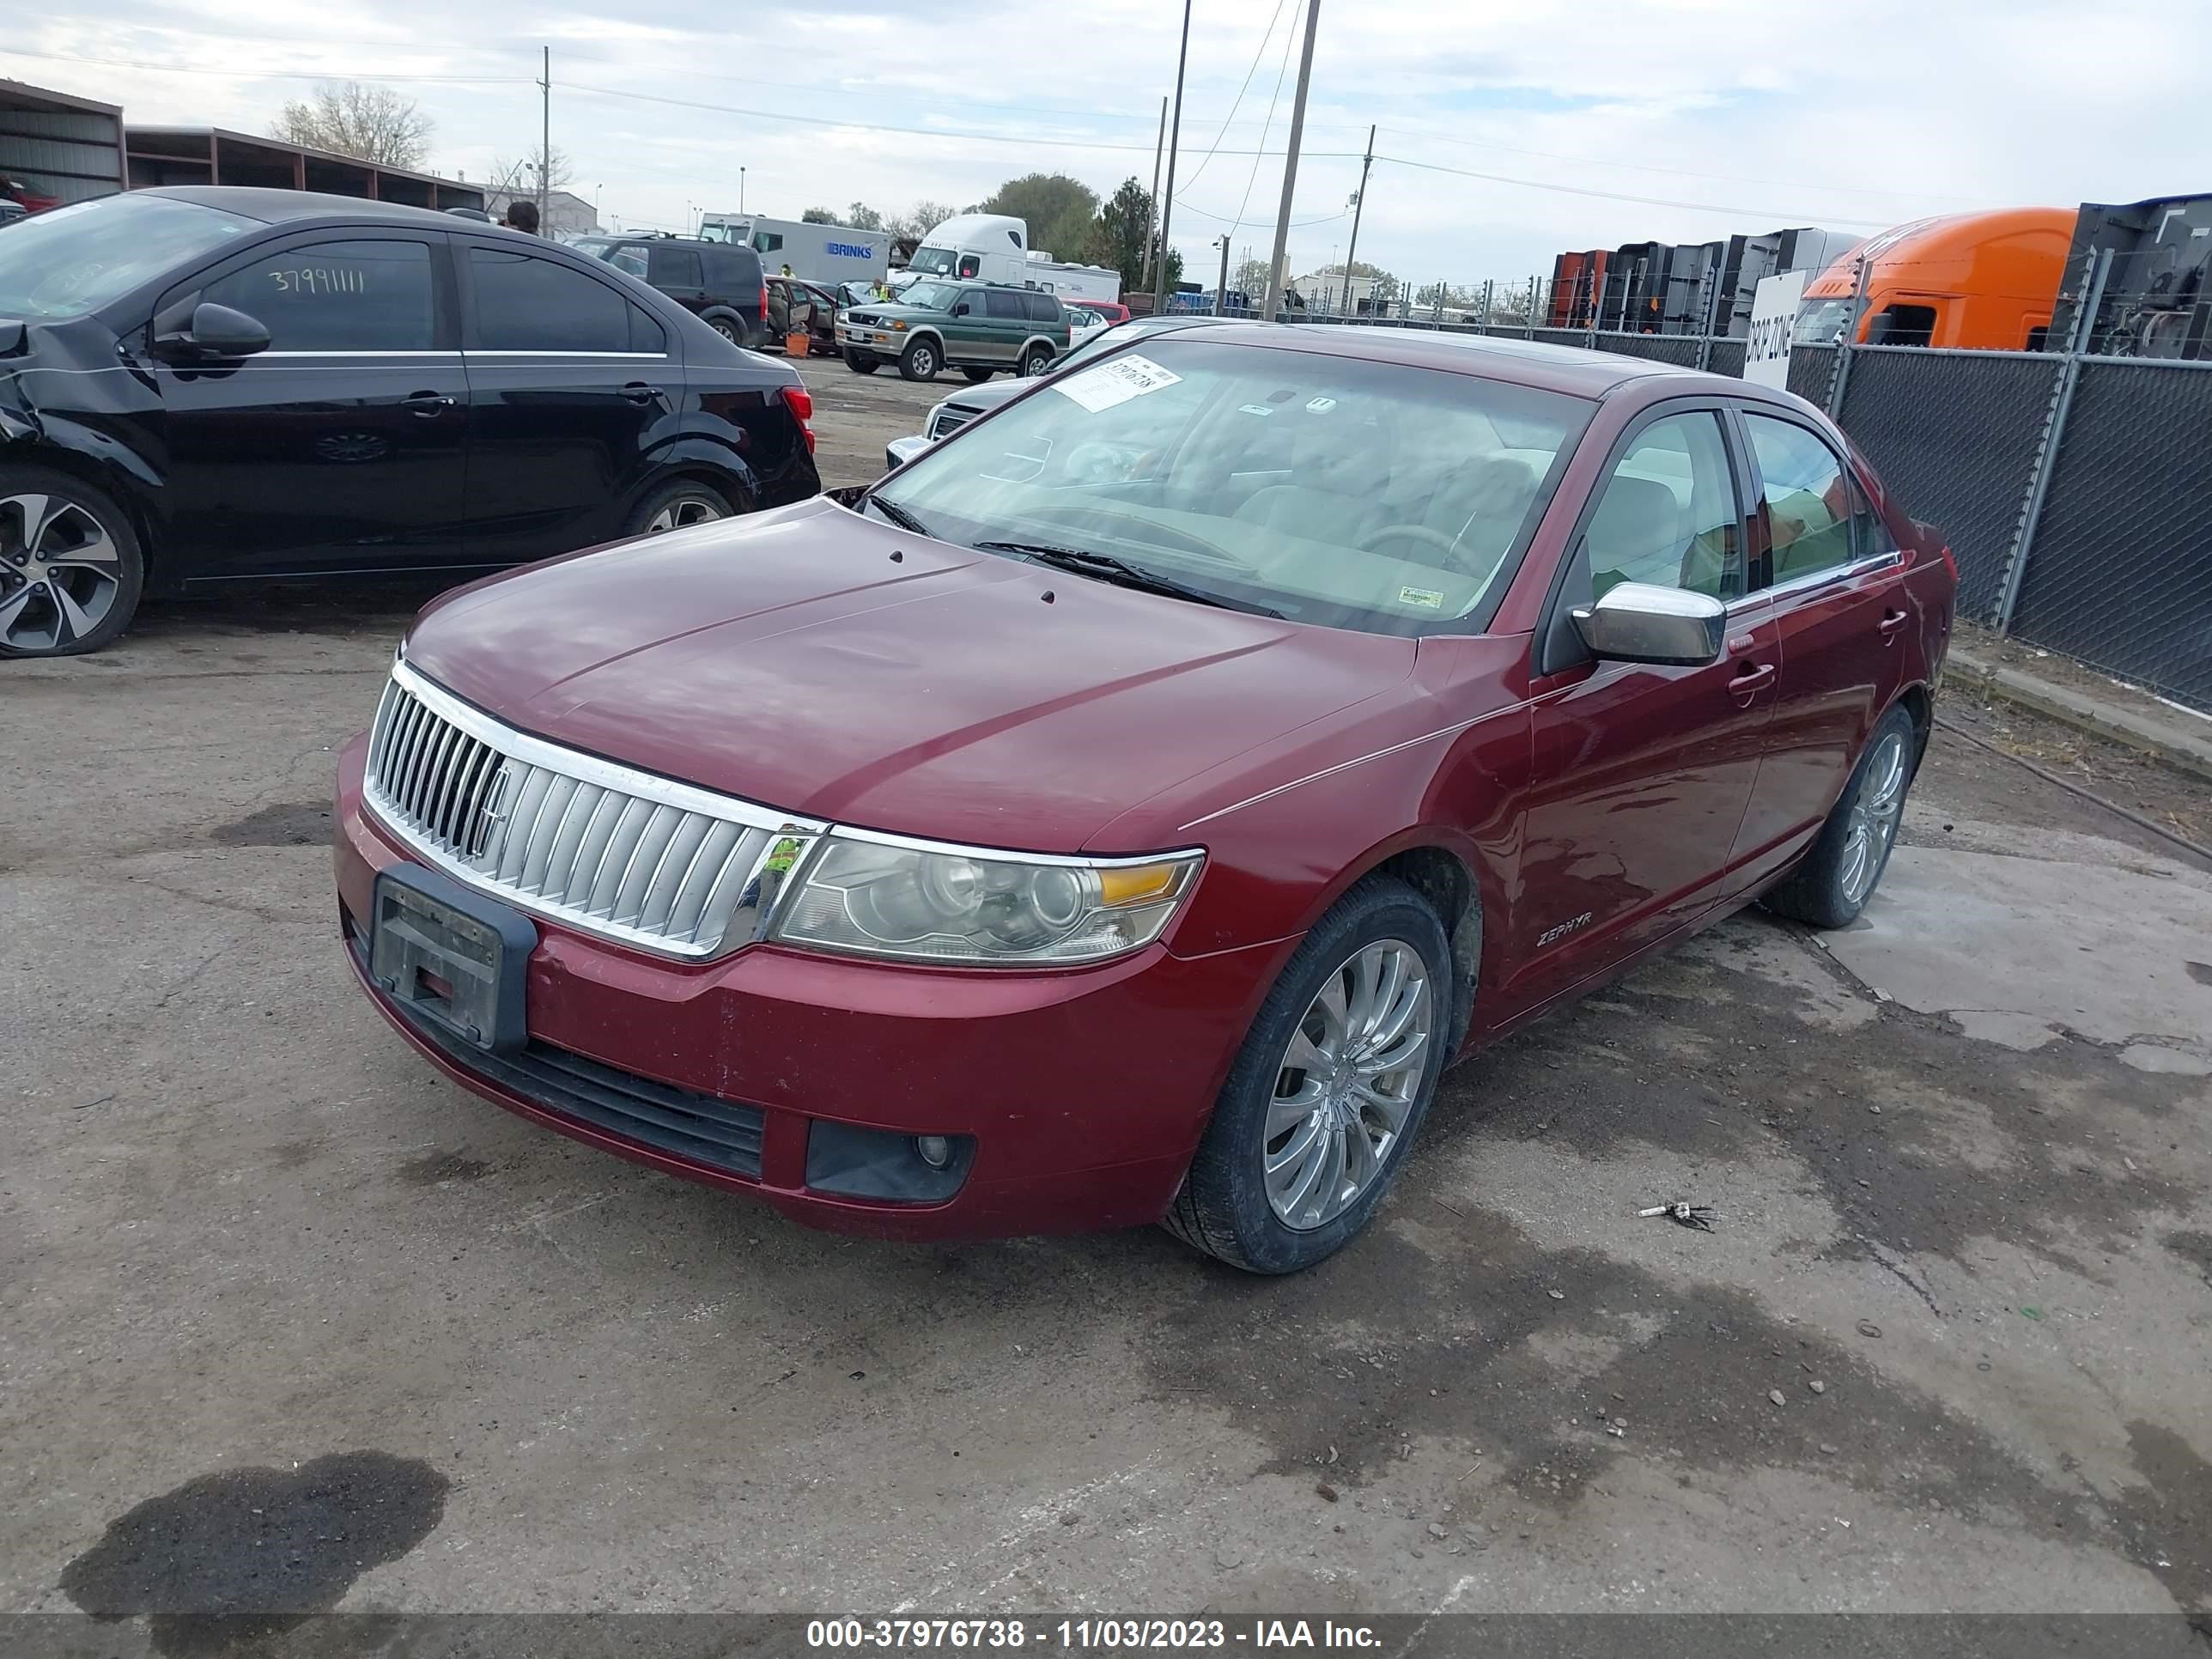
x=70, y=260
x=930, y=296
x=1336, y=490
x=936, y=261
x=1820, y=322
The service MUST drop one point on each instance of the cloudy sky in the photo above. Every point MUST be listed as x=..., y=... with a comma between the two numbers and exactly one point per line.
x=1511, y=132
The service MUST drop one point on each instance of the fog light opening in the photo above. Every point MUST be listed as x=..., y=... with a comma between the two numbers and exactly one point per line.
x=935, y=1151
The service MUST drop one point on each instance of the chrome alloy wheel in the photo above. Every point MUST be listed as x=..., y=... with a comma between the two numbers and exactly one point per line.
x=1347, y=1084
x=684, y=510
x=60, y=572
x=1874, y=816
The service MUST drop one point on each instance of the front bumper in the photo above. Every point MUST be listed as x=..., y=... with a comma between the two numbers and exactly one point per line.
x=1083, y=1092
x=879, y=340
x=899, y=451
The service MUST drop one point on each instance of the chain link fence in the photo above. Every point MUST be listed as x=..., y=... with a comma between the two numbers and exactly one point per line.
x=2120, y=570
x=1954, y=436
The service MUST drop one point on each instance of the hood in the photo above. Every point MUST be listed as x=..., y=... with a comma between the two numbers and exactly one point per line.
x=814, y=660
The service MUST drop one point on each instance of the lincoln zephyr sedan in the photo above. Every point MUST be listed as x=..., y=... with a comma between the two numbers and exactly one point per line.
x=1124, y=812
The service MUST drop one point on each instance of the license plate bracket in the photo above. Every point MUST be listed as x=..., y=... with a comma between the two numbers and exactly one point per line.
x=451, y=957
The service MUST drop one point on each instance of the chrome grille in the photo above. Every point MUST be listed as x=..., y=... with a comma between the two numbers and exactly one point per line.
x=949, y=420
x=602, y=847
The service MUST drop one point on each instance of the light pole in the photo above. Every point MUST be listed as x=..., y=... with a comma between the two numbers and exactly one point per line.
x=1291, y=161
x=1174, y=138
x=741, y=189
x=1221, y=287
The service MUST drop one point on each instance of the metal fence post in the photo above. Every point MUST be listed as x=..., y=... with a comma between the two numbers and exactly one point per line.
x=1712, y=317
x=2054, y=429
x=1846, y=343
x=1529, y=322
x=1488, y=283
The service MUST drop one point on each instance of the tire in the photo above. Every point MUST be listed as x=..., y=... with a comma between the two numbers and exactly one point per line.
x=675, y=505
x=861, y=362
x=1035, y=361
x=1226, y=1207
x=730, y=329
x=977, y=376
x=919, y=360
x=71, y=569
x=1841, y=869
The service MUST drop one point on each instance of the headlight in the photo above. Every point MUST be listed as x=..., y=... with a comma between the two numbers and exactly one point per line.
x=882, y=898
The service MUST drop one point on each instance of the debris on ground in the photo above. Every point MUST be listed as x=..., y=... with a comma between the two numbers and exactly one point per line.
x=1867, y=1328
x=1775, y=1394
x=1682, y=1214
x=1817, y=1386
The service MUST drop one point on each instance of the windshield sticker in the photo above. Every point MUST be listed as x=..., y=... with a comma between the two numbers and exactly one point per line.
x=1425, y=596
x=1321, y=405
x=1256, y=408
x=1116, y=382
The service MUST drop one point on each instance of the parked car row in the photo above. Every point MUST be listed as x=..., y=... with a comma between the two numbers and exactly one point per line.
x=203, y=386
x=1213, y=737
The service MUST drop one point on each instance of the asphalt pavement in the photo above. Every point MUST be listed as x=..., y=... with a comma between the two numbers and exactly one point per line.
x=283, y=1316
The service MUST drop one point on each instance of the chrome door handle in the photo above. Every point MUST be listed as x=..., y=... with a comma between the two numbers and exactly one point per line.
x=1754, y=678
x=427, y=404
x=1893, y=620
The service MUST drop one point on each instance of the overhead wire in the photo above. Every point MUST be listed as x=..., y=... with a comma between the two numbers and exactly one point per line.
x=1259, y=52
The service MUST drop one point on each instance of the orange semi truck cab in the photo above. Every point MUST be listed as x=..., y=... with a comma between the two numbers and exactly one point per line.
x=1981, y=280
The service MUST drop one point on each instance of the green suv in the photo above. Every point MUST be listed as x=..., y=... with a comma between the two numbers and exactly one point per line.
x=978, y=328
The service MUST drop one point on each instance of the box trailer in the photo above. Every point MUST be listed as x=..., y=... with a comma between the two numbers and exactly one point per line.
x=826, y=254
x=2157, y=301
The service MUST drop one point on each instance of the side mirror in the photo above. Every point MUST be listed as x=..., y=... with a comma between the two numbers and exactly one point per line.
x=960, y=310
x=1878, y=328
x=1638, y=622
x=207, y=332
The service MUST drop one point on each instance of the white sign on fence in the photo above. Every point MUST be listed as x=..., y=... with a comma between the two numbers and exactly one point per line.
x=1773, y=315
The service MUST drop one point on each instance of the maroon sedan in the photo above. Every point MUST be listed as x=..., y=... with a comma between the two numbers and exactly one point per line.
x=1125, y=810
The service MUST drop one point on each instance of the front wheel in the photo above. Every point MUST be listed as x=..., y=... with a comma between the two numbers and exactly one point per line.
x=919, y=360
x=728, y=328
x=1329, y=1090
x=977, y=376
x=1035, y=360
x=71, y=566
x=861, y=362
x=1839, y=873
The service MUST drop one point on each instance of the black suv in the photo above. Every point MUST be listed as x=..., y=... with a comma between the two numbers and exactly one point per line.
x=719, y=282
x=205, y=384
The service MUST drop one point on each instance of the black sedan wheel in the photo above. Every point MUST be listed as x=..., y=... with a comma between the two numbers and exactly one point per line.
x=71, y=570
x=729, y=330
x=675, y=506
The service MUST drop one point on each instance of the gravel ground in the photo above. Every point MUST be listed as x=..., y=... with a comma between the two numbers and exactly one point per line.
x=286, y=1319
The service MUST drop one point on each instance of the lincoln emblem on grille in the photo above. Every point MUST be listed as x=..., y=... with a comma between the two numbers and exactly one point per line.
x=492, y=813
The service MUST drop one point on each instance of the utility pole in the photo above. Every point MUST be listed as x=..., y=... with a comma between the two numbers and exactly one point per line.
x=1221, y=287
x=1167, y=201
x=545, y=142
x=1290, y=162
x=1358, y=207
x=1152, y=215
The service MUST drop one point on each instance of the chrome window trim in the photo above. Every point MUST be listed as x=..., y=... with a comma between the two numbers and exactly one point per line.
x=592, y=770
x=631, y=356
x=349, y=351
x=1797, y=586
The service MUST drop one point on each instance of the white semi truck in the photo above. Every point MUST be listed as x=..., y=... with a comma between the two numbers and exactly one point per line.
x=994, y=247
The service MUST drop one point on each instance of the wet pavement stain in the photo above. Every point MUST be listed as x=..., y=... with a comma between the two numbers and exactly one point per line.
x=253, y=1552
x=2169, y=1518
x=2200, y=971
x=436, y=1169
x=304, y=823
x=1745, y=1068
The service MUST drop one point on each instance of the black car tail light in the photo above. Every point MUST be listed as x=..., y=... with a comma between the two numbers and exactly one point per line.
x=800, y=402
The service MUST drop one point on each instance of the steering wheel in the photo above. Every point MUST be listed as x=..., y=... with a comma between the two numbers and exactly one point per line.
x=1447, y=545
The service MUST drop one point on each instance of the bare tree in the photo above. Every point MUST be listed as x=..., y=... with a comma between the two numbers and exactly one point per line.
x=519, y=178
x=374, y=123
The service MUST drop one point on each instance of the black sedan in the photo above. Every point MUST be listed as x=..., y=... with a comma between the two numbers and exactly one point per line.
x=207, y=385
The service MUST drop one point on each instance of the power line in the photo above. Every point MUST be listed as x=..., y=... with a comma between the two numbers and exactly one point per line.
x=1678, y=173
x=1274, y=97
x=266, y=74
x=1778, y=214
x=1235, y=104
